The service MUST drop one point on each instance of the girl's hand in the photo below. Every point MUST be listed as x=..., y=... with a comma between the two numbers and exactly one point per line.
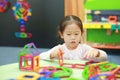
x=91, y=54
x=54, y=53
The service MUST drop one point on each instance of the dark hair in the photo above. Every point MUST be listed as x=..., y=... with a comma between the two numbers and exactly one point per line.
x=69, y=20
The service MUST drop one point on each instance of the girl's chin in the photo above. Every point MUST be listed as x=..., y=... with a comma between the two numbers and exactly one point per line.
x=73, y=47
x=73, y=44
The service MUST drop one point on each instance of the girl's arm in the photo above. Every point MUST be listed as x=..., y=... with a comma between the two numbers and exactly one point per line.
x=50, y=54
x=102, y=56
x=95, y=54
x=55, y=52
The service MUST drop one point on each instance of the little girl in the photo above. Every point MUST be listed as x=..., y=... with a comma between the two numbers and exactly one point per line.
x=70, y=31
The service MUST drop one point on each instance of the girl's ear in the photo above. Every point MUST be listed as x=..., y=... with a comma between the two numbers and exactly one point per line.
x=61, y=35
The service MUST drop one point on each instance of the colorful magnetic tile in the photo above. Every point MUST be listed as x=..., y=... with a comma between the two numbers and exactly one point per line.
x=28, y=77
x=4, y=4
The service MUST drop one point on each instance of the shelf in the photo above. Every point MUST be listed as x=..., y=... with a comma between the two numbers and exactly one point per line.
x=106, y=46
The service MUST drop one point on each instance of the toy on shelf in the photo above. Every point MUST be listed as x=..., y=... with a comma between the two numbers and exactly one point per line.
x=29, y=58
x=102, y=19
x=102, y=22
x=22, y=12
x=114, y=25
x=4, y=4
x=101, y=15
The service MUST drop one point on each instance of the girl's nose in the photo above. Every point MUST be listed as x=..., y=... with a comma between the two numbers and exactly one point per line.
x=72, y=36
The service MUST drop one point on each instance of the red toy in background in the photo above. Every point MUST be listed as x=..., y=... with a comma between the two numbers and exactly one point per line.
x=4, y=4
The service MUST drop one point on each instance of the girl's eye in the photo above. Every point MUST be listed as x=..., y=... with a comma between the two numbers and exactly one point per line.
x=76, y=34
x=68, y=34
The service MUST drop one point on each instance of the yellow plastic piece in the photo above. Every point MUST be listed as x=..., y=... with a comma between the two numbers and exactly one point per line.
x=22, y=10
x=13, y=8
x=29, y=13
x=28, y=77
x=36, y=63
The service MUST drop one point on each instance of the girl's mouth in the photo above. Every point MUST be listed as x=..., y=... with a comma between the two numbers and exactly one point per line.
x=72, y=41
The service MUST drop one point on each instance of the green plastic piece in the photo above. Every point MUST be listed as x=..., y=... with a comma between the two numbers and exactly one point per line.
x=72, y=79
x=62, y=72
x=107, y=66
x=85, y=73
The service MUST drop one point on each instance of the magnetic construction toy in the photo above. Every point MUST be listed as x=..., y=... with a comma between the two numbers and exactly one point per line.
x=79, y=66
x=101, y=71
x=22, y=12
x=4, y=4
x=55, y=72
x=29, y=58
x=28, y=77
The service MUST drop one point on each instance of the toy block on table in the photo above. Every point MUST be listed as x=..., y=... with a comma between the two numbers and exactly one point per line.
x=101, y=70
x=79, y=66
x=30, y=62
x=116, y=72
x=60, y=58
x=29, y=59
x=30, y=48
x=46, y=73
x=62, y=72
x=28, y=77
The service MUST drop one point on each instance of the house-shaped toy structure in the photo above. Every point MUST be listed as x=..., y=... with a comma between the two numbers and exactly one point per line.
x=29, y=58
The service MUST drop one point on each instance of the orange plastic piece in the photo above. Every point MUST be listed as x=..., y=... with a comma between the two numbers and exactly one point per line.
x=60, y=58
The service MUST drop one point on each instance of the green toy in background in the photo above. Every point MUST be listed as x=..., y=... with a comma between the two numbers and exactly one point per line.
x=102, y=21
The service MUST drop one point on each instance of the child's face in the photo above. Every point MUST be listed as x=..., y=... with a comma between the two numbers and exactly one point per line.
x=71, y=36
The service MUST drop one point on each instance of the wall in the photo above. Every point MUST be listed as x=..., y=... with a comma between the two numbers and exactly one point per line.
x=46, y=15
